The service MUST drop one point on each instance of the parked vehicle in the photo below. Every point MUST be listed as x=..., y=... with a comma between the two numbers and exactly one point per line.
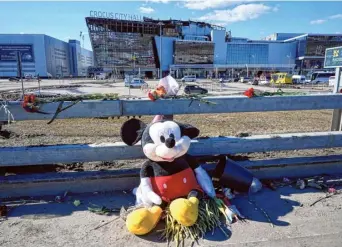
x=136, y=82
x=29, y=76
x=320, y=77
x=332, y=80
x=189, y=78
x=281, y=78
x=16, y=79
x=100, y=76
x=245, y=79
x=298, y=79
x=264, y=80
x=254, y=82
x=232, y=80
x=194, y=89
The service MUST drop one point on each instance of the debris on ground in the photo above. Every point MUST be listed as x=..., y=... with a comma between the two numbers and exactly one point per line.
x=228, y=193
x=300, y=184
x=108, y=222
x=103, y=210
x=5, y=134
x=269, y=184
x=262, y=210
x=3, y=211
x=328, y=195
x=324, y=183
x=58, y=199
x=61, y=199
x=242, y=135
x=332, y=190
x=77, y=203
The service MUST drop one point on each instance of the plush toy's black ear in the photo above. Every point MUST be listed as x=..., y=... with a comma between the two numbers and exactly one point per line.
x=131, y=131
x=189, y=130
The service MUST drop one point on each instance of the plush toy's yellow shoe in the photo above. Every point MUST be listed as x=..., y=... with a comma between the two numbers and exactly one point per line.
x=143, y=220
x=185, y=211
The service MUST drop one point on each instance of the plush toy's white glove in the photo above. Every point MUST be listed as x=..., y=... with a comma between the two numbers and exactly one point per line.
x=145, y=194
x=205, y=181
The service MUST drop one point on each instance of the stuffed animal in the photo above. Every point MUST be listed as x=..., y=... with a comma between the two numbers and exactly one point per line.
x=170, y=177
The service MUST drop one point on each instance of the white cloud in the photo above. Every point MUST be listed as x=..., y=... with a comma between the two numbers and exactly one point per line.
x=146, y=10
x=220, y=24
x=339, y=16
x=158, y=1
x=317, y=22
x=240, y=13
x=211, y=4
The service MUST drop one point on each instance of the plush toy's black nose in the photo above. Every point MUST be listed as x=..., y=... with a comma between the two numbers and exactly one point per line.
x=170, y=142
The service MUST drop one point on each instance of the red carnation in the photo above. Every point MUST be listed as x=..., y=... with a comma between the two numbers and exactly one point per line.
x=249, y=93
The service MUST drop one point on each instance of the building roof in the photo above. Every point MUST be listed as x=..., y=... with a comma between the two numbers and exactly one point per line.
x=311, y=34
x=170, y=22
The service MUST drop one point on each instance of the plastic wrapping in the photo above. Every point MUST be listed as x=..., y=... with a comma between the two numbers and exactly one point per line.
x=170, y=84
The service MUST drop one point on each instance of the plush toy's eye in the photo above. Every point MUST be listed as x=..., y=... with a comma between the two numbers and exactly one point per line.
x=172, y=136
x=162, y=139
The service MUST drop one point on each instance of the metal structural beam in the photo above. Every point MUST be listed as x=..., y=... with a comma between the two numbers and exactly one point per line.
x=126, y=179
x=139, y=107
x=336, y=123
x=40, y=155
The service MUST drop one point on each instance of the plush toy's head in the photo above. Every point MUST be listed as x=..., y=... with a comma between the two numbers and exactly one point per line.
x=162, y=141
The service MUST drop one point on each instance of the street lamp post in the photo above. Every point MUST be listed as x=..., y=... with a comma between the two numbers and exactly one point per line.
x=289, y=57
x=249, y=63
x=160, y=46
x=253, y=56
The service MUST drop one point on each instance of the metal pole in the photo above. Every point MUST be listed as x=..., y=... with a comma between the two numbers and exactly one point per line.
x=289, y=66
x=38, y=78
x=337, y=113
x=134, y=63
x=20, y=72
x=160, y=44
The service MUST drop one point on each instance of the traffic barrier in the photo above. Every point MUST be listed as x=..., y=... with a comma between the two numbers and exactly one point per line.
x=140, y=107
x=45, y=155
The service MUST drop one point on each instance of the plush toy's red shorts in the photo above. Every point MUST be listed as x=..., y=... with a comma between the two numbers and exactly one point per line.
x=176, y=185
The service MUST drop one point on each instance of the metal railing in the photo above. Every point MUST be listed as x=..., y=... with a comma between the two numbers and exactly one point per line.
x=19, y=185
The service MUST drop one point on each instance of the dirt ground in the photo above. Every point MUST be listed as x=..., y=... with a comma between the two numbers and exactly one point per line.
x=74, y=131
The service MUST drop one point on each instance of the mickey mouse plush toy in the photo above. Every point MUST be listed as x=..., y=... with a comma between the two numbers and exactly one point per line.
x=169, y=177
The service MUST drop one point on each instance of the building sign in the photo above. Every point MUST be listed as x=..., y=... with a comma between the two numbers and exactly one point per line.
x=333, y=57
x=8, y=53
x=113, y=15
